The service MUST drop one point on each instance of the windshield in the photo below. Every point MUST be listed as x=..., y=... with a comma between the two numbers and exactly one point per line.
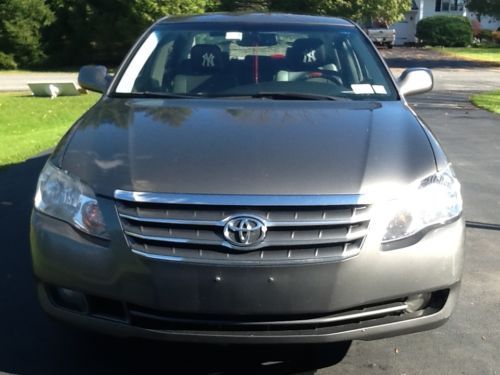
x=235, y=60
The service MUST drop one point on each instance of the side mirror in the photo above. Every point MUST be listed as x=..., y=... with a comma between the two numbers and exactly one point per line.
x=94, y=78
x=415, y=81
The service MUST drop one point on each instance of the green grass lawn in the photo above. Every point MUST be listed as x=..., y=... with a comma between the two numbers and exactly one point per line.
x=480, y=54
x=29, y=125
x=488, y=100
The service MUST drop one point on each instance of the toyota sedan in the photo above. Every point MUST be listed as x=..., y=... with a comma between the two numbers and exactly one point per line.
x=252, y=179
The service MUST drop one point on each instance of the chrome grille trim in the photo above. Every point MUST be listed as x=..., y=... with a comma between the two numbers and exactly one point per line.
x=243, y=200
x=239, y=262
x=292, y=242
x=395, y=308
x=190, y=228
x=221, y=223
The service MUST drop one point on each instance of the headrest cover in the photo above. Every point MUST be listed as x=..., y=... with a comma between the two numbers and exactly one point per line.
x=307, y=53
x=206, y=58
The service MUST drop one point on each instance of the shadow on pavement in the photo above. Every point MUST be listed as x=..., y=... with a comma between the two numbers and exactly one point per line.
x=410, y=57
x=32, y=344
x=444, y=63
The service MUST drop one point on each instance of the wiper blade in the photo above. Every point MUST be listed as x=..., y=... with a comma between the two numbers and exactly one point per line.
x=294, y=95
x=152, y=94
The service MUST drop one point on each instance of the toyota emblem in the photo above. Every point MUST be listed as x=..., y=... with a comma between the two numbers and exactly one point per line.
x=245, y=231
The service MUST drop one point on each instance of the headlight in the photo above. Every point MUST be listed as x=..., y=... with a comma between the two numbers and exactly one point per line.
x=60, y=195
x=434, y=200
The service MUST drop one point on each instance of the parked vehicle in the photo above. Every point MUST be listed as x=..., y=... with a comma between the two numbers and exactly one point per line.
x=275, y=190
x=381, y=34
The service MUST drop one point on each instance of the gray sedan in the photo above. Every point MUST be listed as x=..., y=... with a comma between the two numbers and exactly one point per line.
x=250, y=178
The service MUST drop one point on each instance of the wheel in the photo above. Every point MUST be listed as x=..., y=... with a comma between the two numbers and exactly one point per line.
x=390, y=46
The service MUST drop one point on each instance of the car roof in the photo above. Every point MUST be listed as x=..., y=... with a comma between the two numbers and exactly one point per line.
x=257, y=18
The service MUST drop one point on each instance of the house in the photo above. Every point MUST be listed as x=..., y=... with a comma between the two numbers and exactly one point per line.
x=407, y=28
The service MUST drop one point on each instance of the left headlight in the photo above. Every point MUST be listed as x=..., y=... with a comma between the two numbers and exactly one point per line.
x=432, y=201
x=65, y=197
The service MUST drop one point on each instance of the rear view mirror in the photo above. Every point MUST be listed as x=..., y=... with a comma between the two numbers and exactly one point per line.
x=94, y=78
x=415, y=81
x=251, y=39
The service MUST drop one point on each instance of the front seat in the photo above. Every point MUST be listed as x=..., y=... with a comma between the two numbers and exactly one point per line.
x=207, y=72
x=307, y=59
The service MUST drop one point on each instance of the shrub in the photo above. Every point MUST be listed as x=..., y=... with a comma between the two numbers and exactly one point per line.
x=485, y=35
x=447, y=31
x=7, y=61
x=495, y=35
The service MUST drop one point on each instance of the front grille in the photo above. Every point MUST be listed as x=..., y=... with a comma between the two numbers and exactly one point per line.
x=192, y=230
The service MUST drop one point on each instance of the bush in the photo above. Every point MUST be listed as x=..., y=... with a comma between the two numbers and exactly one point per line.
x=446, y=31
x=495, y=35
x=7, y=61
x=485, y=35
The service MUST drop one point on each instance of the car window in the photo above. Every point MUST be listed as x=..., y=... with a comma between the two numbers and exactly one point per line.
x=243, y=60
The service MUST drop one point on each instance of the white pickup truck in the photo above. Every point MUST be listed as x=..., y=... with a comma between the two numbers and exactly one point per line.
x=381, y=35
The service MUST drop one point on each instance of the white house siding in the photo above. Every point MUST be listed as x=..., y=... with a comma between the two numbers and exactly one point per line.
x=487, y=22
x=406, y=29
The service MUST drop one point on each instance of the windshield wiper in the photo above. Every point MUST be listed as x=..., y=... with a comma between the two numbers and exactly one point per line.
x=152, y=94
x=294, y=95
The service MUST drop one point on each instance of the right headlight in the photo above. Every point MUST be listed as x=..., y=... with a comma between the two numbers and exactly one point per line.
x=432, y=201
x=65, y=197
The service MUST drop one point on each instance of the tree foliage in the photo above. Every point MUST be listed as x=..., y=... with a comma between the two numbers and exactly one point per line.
x=94, y=31
x=20, y=24
x=485, y=7
x=359, y=10
x=76, y=32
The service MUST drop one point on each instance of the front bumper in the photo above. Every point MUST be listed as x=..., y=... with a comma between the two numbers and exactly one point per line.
x=148, y=298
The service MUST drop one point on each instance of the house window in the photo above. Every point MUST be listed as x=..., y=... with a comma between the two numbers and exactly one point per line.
x=449, y=6
x=438, y=5
x=457, y=5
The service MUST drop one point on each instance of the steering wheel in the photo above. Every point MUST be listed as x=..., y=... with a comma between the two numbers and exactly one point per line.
x=330, y=75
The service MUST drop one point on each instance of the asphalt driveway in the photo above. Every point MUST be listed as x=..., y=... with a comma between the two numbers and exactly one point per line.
x=468, y=344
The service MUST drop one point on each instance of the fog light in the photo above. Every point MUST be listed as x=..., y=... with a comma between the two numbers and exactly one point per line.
x=72, y=299
x=417, y=302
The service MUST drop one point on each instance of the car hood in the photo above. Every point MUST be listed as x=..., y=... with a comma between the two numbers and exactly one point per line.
x=212, y=146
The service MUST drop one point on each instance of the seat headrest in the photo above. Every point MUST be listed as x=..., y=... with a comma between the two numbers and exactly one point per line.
x=307, y=53
x=206, y=58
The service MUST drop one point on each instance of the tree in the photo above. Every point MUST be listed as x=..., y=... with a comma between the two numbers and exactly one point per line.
x=20, y=24
x=95, y=31
x=150, y=10
x=244, y=5
x=359, y=10
x=484, y=7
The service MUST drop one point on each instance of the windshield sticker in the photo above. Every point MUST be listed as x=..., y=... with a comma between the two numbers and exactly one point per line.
x=234, y=35
x=362, y=89
x=379, y=89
